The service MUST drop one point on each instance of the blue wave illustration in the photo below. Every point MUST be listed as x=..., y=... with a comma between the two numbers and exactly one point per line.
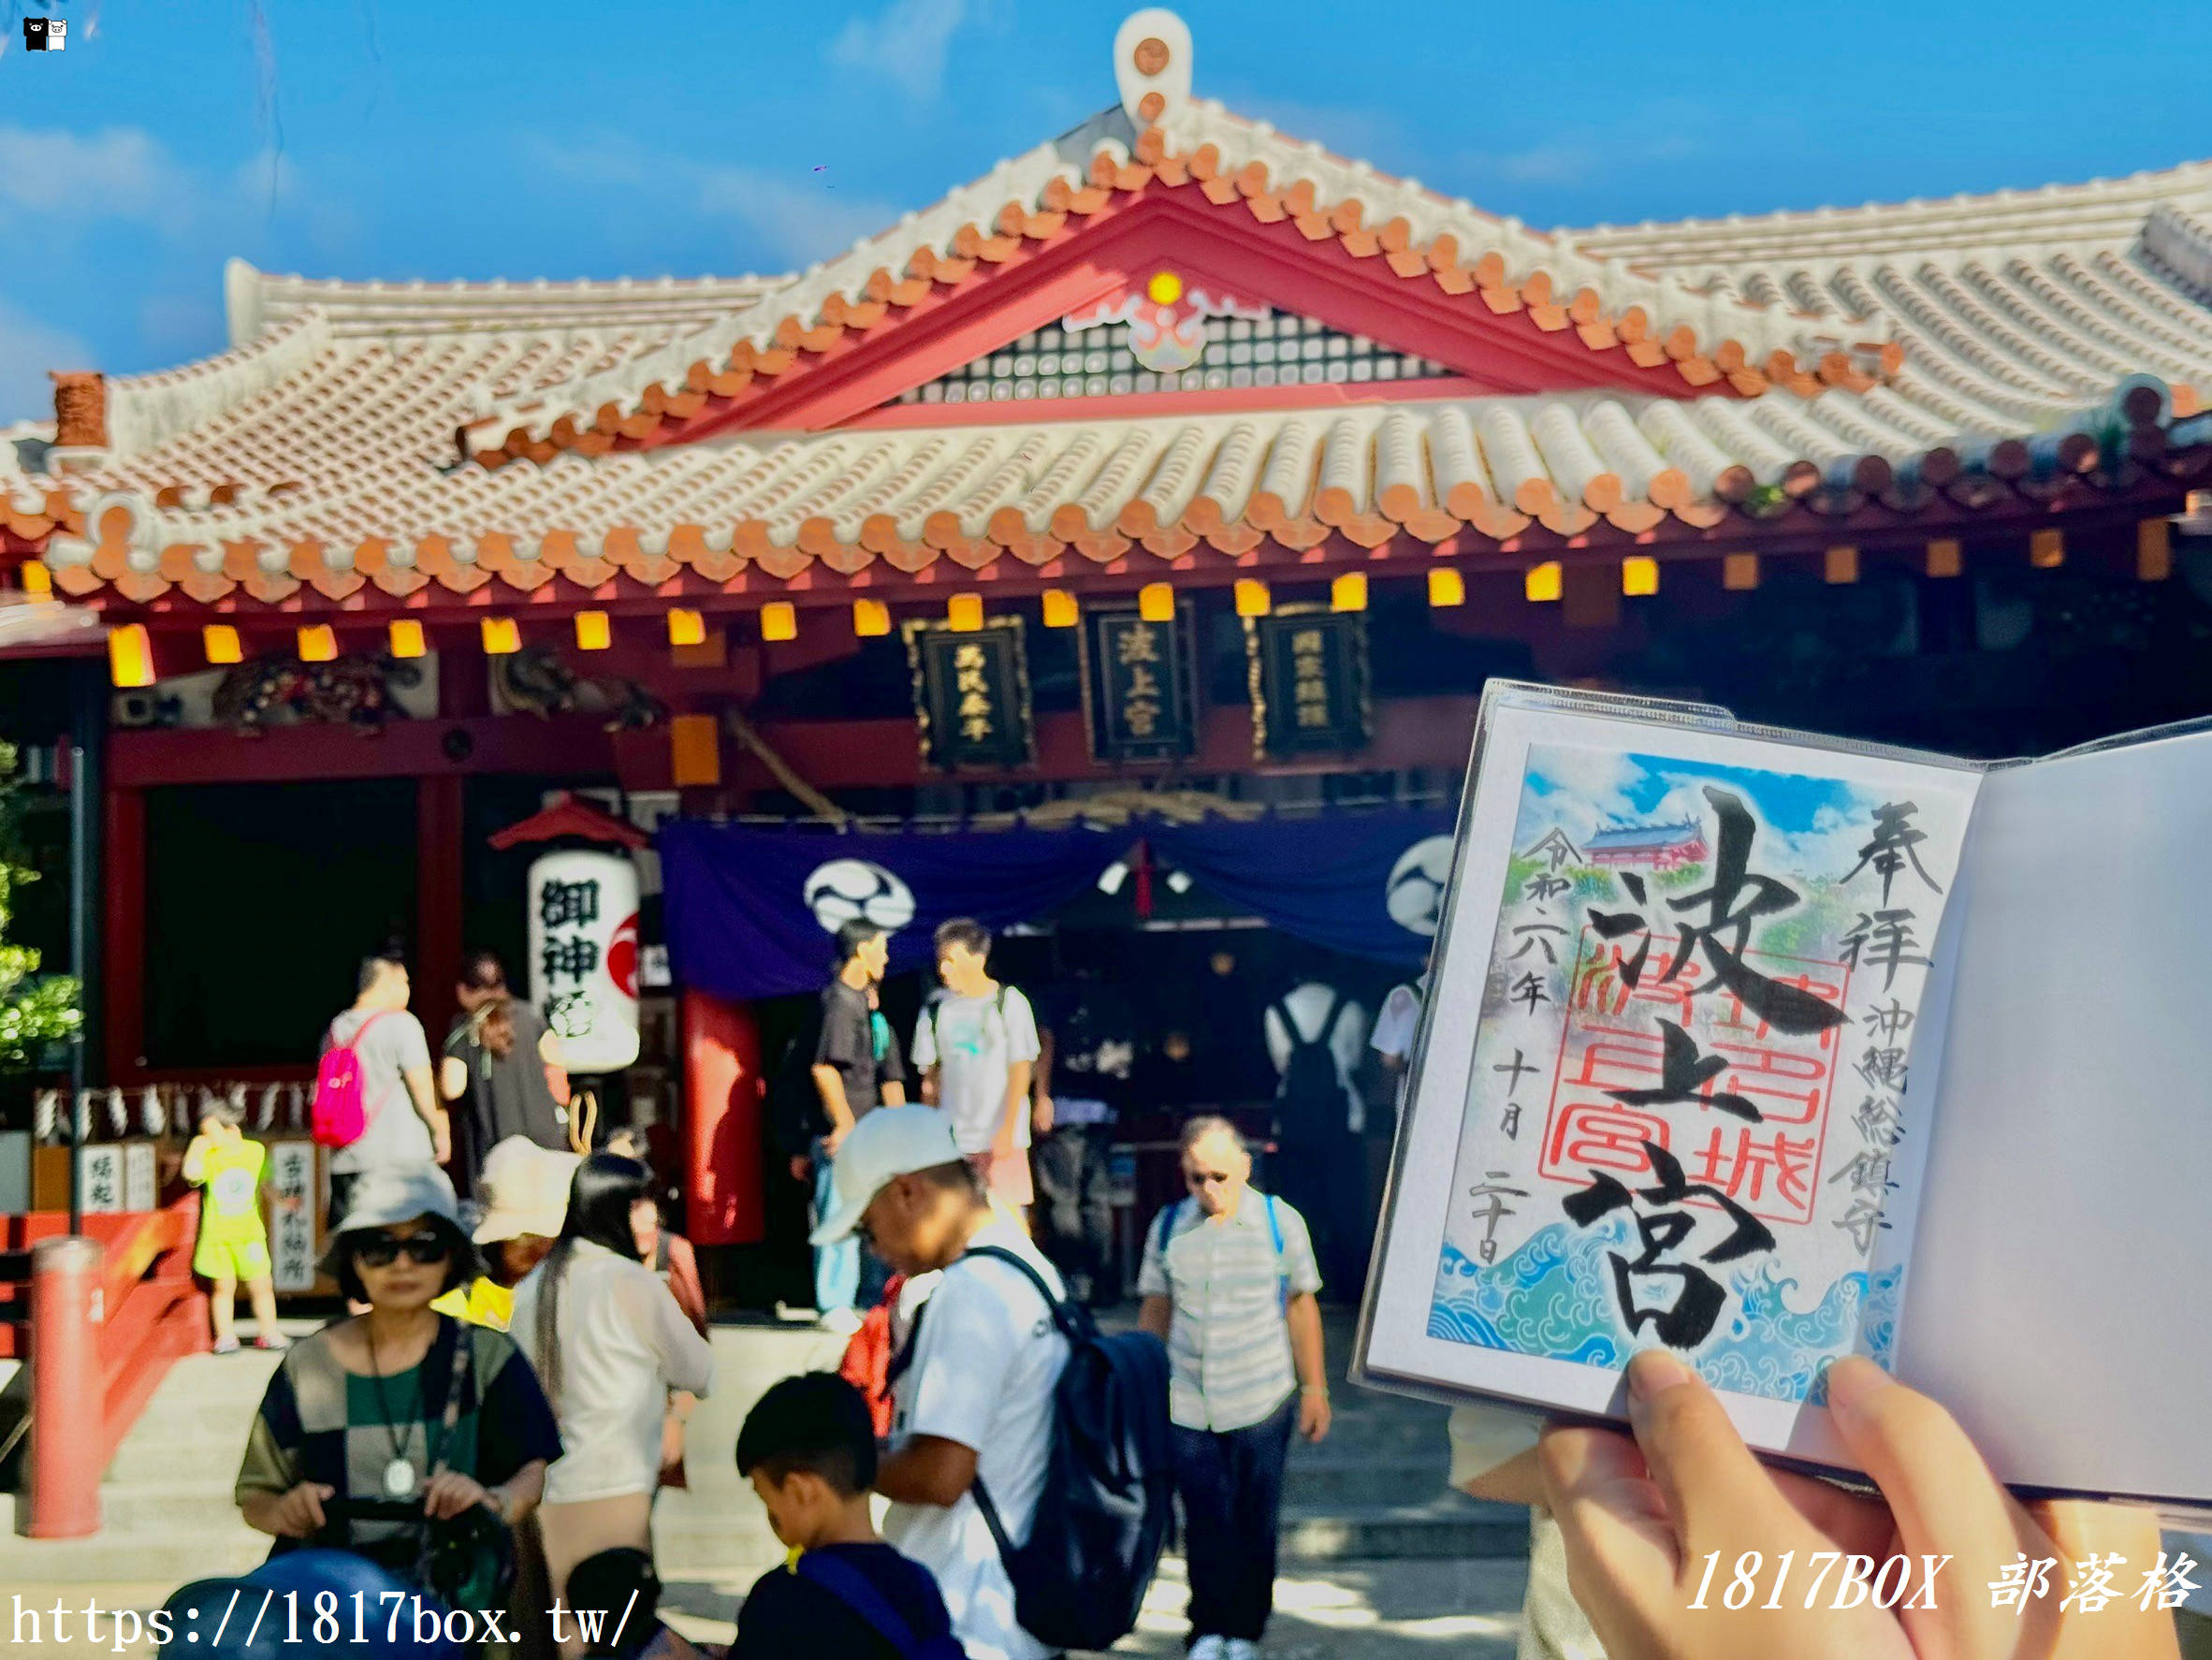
x=1554, y=1297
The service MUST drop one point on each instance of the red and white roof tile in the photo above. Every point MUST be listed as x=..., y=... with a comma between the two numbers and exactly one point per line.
x=1878, y=350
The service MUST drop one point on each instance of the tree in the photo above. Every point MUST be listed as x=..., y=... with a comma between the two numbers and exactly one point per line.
x=35, y=1010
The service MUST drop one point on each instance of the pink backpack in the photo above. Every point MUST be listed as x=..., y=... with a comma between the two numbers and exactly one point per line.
x=337, y=1118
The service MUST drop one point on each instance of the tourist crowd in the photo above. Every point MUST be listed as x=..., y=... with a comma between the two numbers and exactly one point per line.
x=487, y=1427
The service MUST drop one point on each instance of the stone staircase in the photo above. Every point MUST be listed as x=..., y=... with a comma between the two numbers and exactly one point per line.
x=1374, y=1491
x=166, y=1507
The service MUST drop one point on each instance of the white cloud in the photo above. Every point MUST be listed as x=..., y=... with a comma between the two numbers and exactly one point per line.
x=179, y=327
x=1565, y=163
x=70, y=177
x=906, y=43
x=1368, y=135
x=797, y=218
x=265, y=177
x=28, y=349
x=802, y=221
x=54, y=182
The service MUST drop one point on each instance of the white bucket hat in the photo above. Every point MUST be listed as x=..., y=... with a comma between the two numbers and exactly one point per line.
x=888, y=1142
x=525, y=1189
x=393, y=1194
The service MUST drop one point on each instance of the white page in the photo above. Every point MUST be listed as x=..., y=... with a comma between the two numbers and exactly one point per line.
x=2060, y=1300
x=1482, y=1285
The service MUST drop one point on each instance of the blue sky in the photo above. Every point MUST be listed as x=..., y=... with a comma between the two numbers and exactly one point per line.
x=389, y=137
x=1624, y=788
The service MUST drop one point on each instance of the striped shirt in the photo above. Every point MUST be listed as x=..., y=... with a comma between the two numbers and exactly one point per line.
x=1228, y=1344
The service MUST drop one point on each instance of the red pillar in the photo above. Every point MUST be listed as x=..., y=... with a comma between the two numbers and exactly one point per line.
x=438, y=899
x=723, y=1107
x=66, y=1392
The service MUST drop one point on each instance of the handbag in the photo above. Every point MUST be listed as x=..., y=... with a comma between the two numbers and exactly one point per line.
x=465, y=1561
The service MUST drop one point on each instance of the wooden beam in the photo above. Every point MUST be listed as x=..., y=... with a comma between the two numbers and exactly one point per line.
x=694, y=751
x=1590, y=596
x=122, y=953
x=563, y=748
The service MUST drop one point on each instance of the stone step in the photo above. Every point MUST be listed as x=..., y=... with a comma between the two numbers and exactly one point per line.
x=1379, y=1437
x=179, y=1460
x=1452, y=1526
x=1320, y=1484
x=153, y=1556
x=731, y=1546
x=170, y=1557
x=191, y=1510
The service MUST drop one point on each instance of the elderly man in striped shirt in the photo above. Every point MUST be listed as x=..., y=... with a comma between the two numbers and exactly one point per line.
x=1228, y=1282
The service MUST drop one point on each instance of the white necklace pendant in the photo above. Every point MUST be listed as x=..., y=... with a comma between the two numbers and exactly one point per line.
x=398, y=1479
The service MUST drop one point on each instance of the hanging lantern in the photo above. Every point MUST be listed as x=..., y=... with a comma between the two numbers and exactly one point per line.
x=583, y=955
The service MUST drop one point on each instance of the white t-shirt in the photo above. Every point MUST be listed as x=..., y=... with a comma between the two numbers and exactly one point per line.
x=974, y=1043
x=1398, y=1025
x=984, y=1363
x=1400, y=1019
x=624, y=1344
x=1309, y=1006
x=390, y=1044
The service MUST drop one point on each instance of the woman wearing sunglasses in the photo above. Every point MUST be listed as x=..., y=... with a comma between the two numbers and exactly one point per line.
x=399, y=1412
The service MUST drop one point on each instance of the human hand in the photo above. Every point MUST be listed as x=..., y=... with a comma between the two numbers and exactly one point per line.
x=1640, y=1518
x=802, y=1168
x=1313, y=1415
x=442, y=1139
x=299, y=1514
x=1040, y=1116
x=836, y=1139
x=450, y=1493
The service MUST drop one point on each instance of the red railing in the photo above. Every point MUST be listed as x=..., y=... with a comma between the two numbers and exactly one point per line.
x=152, y=1311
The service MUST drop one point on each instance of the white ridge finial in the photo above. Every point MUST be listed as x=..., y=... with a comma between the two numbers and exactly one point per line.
x=1152, y=65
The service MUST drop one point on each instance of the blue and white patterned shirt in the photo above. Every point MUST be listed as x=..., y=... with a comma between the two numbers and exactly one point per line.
x=1228, y=1344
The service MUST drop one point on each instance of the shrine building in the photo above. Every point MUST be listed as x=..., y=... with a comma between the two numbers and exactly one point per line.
x=1175, y=455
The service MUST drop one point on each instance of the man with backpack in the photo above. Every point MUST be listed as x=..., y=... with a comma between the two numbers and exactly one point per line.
x=1228, y=1282
x=1028, y=1465
x=976, y=1048
x=1316, y=1034
x=374, y=1104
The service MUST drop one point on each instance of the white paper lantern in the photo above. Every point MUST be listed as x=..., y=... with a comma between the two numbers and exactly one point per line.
x=583, y=955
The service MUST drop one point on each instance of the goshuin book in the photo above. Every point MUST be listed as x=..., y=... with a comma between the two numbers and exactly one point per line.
x=1770, y=1048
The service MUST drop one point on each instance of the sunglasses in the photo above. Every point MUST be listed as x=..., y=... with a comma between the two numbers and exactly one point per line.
x=381, y=1250
x=1197, y=1179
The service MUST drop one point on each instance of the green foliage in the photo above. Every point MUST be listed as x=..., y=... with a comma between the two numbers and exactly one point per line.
x=35, y=1010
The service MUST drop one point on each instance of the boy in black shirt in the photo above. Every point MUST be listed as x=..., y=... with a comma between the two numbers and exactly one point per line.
x=809, y=1449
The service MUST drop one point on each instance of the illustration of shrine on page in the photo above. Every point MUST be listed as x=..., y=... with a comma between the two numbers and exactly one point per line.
x=1687, y=1119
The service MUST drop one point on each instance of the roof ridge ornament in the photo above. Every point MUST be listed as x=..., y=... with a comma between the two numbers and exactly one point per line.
x=1152, y=65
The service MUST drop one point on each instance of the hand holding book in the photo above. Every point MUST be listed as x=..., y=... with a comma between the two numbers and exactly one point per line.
x=1762, y=1050
x=1648, y=1522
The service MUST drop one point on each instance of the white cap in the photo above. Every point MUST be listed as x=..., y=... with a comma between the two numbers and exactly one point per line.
x=888, y=1142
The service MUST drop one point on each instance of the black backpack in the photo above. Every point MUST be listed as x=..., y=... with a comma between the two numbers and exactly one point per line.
x=1107, y=1504
x=1310, y=1104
